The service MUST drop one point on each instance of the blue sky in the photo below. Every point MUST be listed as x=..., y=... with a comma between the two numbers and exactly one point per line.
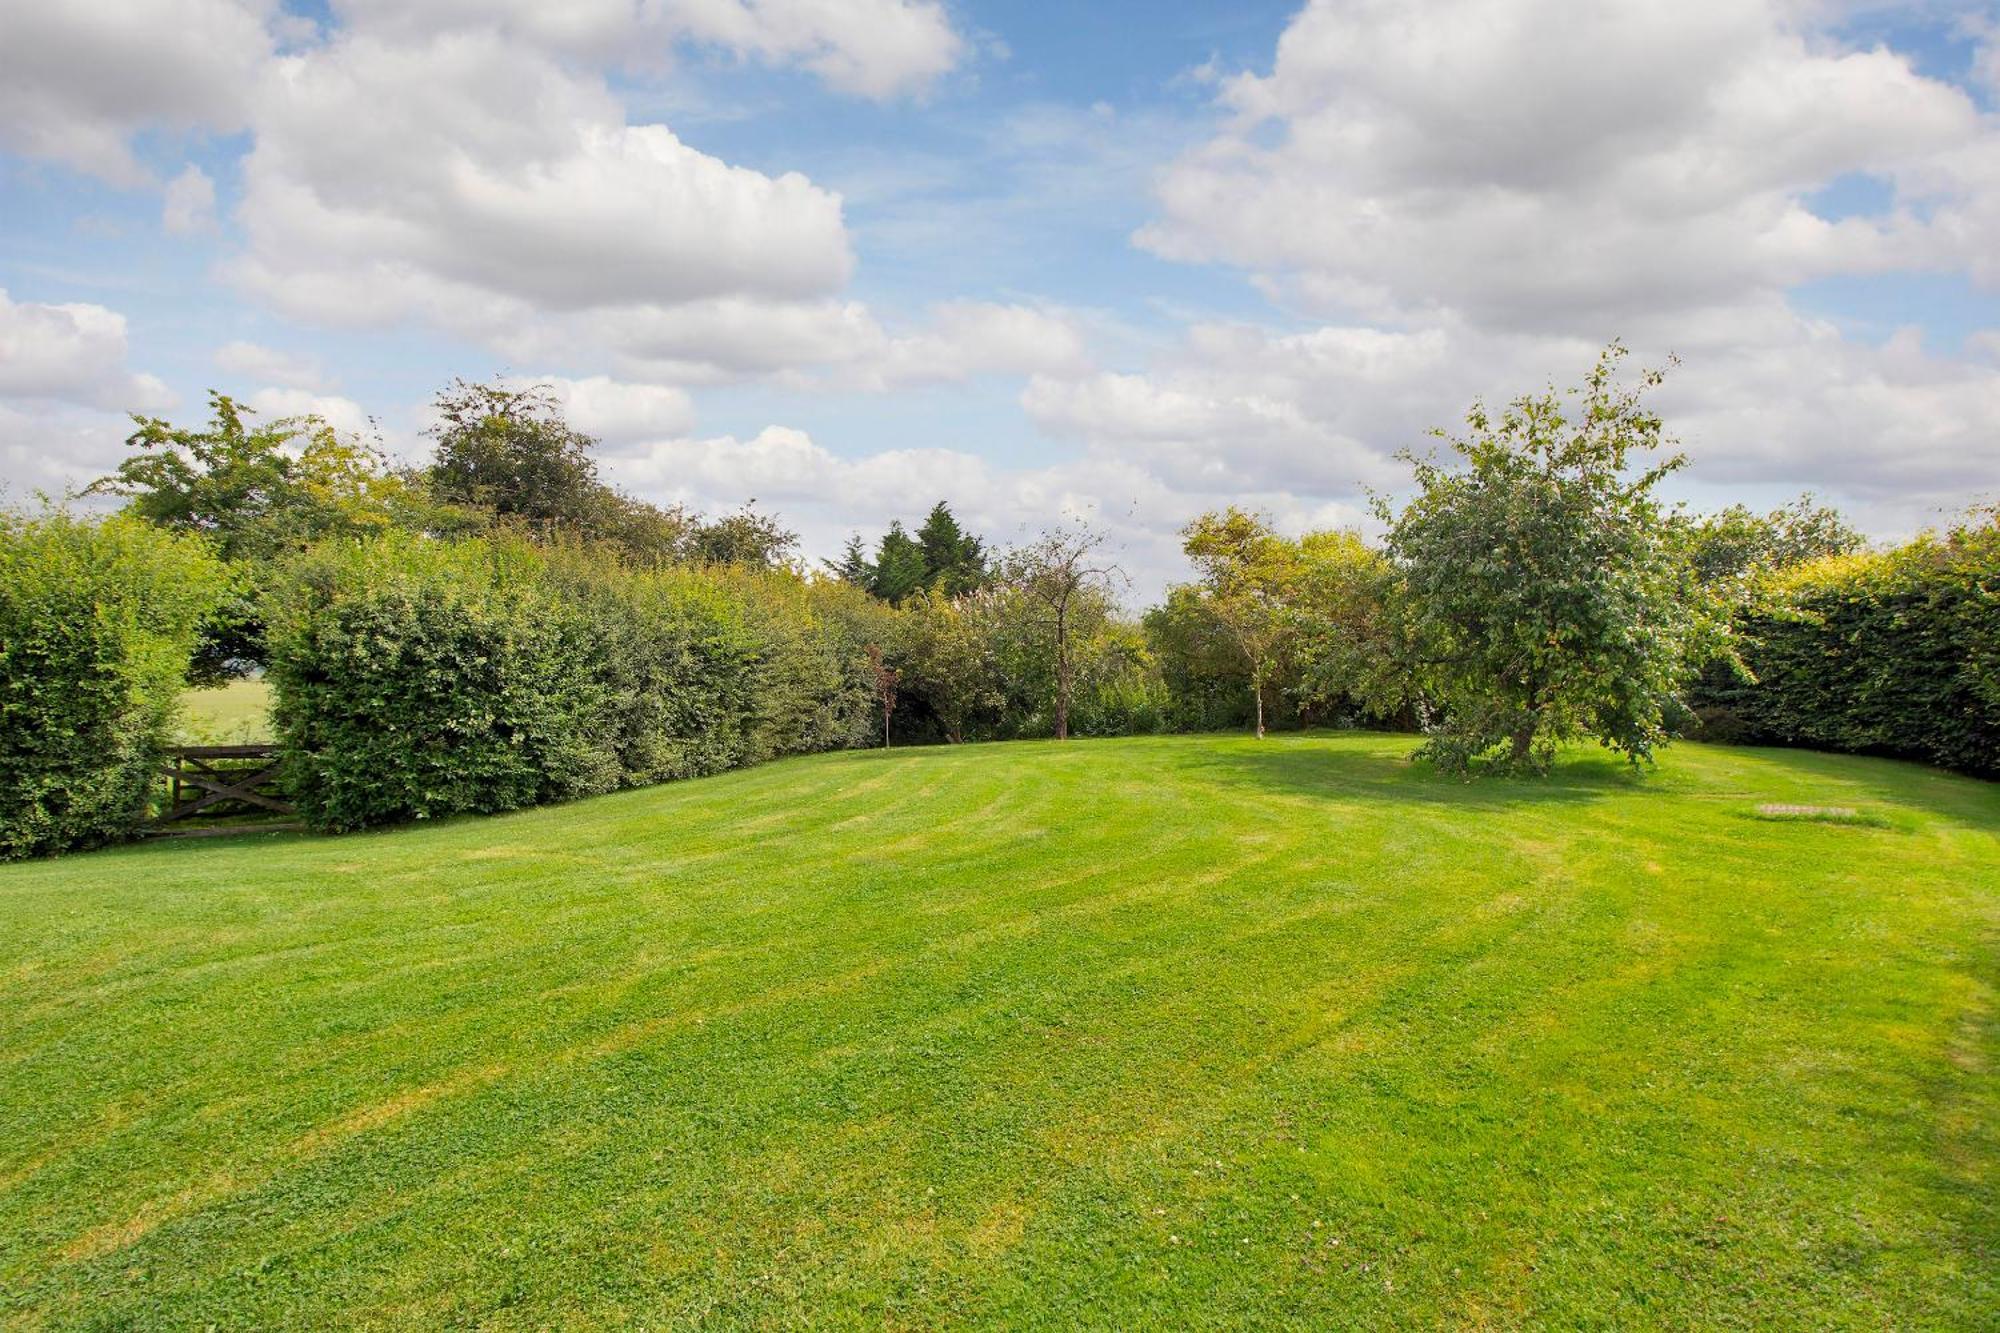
x=1131, y=260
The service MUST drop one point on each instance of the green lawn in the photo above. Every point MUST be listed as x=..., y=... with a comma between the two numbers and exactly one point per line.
x=1126, y=1034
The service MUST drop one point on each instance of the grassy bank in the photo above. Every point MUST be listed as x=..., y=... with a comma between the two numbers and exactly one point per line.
x=1151, y=1031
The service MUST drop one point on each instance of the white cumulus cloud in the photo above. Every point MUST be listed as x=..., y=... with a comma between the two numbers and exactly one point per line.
x=872, y=48
x=254, y=361
x=477, y=184
x=71, y=353
x=78, y=80
x=1531, y=163
x=617, y=413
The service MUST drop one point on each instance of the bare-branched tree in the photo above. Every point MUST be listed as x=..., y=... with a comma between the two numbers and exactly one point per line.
x=1054, y=573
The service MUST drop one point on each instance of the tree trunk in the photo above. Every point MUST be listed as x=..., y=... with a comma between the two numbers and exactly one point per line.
x=1258, y=690
x=1524, y=735
x=885, y=728
x=1524, y=744
x=1062, y=673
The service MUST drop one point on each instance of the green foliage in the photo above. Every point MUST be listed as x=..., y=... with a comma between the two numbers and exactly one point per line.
x=898, y=569
x=947, y=661
x=1319, y=612
x=417, y=678
x=1351, y=657
x=257, y=491
x=813, y=691
x=508, y=450
x=1249, y=585
x=1119, y=691
x=954, y=559
x=1544, y=594
x=1059, y=592
x=941, y=556
x=1893, y=653
x=1737, y=543
x=1203, y=674
x=745, y=537
x=853, y=566
x=98, y=620
x=1532, y=593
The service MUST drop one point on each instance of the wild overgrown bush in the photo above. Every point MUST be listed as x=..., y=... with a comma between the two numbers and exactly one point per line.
x=98, y=619
x=1892, y=653
x=416, y=678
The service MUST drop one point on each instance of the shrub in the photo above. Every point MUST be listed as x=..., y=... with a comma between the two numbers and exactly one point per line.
x=1204, y=677
x=813, y=687
x=97, y=622
x=1895, y=653
x=418, y=678
x=415, y=678
x=946, y=660
x=682, y=661
x=1119, y=690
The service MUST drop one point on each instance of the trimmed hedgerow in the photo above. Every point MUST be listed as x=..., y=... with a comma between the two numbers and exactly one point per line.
x=815, y=690
x=98, y=619
x=415, y=679
x=1895, y=653
x=682, y=664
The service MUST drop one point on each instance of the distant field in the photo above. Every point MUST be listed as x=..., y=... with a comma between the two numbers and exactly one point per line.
x=1125, y=1034
x=236, y=713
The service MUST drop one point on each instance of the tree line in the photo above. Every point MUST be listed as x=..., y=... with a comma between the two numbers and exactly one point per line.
x=499, y=625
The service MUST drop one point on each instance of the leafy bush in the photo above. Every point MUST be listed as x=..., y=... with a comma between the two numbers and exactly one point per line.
x=1895, y=653
x=418, y=678
x=97, y=622
x=1204, y=676
x=680, y=661
x=946, y=659
x=1541, y=583
x=1123, y=696
x=813, y=687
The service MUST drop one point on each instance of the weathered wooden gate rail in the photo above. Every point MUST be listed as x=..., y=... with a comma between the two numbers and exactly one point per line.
x=217, y=779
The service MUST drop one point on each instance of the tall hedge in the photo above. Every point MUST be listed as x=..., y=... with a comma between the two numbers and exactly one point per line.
x=1895, y=653
x=414, y=678
x=417, y=678
x=98, y=619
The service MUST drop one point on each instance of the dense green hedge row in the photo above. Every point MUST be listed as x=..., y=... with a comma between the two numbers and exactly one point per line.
x=97, y=623
x=416, y=678
x=1895, y=653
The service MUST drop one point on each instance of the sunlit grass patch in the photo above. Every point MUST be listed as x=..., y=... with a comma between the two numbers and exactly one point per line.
x=234, y=714
x=1821, y=814
x=1140, y=1033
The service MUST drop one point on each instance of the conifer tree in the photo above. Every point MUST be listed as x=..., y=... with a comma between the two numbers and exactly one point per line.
x=899, y=566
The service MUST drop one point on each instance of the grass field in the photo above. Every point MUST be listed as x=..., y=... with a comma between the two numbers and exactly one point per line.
x=1125, y=1034
x=234, y=714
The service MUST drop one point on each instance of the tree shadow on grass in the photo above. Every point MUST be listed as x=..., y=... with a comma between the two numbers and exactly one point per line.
x=1343, y=774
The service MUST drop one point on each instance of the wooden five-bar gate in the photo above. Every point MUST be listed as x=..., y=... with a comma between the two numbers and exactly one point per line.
x=218, y=780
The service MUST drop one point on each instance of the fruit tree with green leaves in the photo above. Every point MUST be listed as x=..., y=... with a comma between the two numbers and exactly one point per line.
x=1544, y=592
